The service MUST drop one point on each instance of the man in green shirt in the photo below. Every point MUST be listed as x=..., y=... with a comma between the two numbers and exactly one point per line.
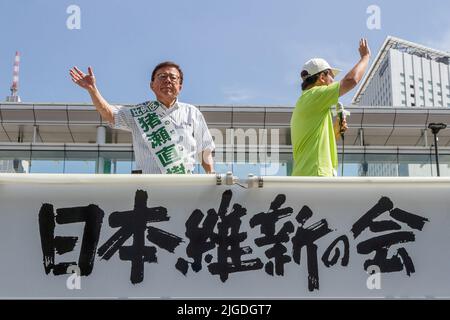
x=312, y=132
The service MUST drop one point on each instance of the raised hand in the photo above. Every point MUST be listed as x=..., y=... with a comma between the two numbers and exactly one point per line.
x=364, y=48
x=86, y=81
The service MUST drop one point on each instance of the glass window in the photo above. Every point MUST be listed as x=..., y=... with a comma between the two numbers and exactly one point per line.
x=115, y=162
x=81, y=162
x=15, y=161
x=353, y=165
x=242, y=169
x=414, y=165
x=277, y=168
x=220, y=167
x=222, y=163
x=47, y=161
x=444, y=165
x=381, y=165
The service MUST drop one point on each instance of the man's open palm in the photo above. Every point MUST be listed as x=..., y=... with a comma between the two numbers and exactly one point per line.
x=364, y=48
x=86, y=81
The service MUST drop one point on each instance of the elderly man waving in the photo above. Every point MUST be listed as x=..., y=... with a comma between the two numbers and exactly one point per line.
x=168, y=135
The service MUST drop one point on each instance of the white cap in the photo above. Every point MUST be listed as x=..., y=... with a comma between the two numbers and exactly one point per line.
x=316, y=65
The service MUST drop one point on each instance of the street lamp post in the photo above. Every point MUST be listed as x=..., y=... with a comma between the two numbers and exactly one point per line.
x=435, y=128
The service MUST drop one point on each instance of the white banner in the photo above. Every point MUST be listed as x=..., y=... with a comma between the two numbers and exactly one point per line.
x=108, y=236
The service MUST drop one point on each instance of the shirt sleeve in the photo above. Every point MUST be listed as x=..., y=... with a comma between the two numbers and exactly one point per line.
x=202, y=134
x=122, y=118
x=327, y=96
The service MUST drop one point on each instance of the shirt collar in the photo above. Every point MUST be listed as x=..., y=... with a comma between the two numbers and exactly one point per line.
x=175, y=106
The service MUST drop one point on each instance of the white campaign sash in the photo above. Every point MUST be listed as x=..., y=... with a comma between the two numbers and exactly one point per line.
x=159, y=133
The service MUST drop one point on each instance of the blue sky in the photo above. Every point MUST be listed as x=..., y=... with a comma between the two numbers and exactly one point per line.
x=234, y=52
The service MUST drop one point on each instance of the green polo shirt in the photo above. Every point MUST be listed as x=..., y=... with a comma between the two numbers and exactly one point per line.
x=312, y=135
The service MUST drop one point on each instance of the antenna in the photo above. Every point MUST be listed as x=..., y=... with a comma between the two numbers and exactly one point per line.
x=15, y=84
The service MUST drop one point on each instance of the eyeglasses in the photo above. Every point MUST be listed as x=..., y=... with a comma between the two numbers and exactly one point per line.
x=165, y=76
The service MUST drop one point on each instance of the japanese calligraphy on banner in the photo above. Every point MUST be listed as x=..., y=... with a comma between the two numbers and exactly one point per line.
x=186, y=237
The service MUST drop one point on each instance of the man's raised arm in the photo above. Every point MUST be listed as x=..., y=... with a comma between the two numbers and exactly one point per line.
x=355, y=75
x=87, y=82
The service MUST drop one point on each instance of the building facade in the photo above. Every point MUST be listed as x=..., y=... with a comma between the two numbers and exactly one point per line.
x=68, y=138
x=406, y=74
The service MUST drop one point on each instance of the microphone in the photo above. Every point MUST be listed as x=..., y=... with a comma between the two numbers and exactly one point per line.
x=342, y=114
